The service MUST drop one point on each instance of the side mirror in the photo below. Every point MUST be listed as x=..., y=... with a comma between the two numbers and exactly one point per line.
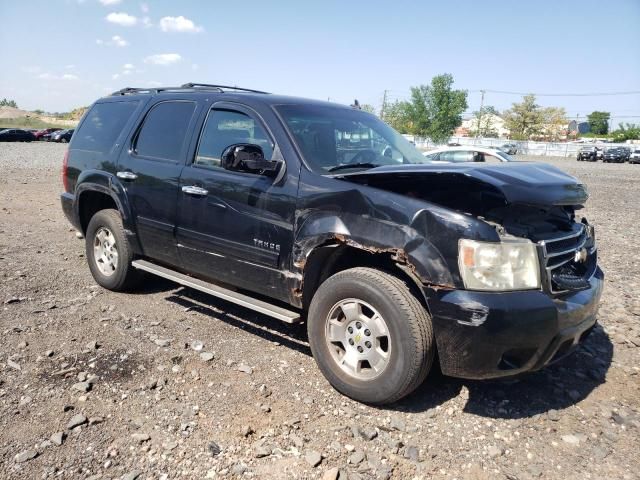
x=247, y=157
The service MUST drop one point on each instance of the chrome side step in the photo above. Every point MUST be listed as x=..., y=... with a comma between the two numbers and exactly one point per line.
x=288, y=316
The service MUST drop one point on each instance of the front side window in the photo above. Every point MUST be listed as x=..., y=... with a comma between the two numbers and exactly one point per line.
x=336, y=138
x=102, y=126
x=164, y=130
x=225, y=128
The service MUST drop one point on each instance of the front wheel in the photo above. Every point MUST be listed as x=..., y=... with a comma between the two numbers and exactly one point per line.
x=109, y=253
x=370, y=336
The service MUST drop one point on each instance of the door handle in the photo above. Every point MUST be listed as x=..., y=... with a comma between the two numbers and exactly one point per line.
x=196, y=191
x=126, y=175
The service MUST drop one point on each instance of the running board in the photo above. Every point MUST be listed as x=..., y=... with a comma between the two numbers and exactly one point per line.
x=274, y=311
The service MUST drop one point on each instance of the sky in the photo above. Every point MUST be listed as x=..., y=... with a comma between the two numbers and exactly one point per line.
x=62, y=54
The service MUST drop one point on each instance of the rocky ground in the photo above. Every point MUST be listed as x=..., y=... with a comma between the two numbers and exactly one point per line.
x=169, y=383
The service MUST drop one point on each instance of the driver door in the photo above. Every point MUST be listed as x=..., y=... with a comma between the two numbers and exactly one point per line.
x=235, y=226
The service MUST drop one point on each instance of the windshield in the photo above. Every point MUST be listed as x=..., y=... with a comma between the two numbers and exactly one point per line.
x=336, y=138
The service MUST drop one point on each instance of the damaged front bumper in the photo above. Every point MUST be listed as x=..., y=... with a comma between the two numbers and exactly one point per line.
x=488, y=335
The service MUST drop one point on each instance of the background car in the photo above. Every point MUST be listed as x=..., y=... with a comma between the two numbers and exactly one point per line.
x=467, y=154
x=626, y=153
x=16, y=135
x=588, y=153
x=635, y=156
x=613, y=155
x=41, y=133
x=510, y=148
x=62, y=136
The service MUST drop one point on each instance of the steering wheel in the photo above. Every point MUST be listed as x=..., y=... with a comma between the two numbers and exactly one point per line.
x=364, y=156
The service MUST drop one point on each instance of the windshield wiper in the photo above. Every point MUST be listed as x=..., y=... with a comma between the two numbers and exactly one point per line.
x=353, y=165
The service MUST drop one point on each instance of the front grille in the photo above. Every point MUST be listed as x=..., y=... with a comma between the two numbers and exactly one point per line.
x=569, y=261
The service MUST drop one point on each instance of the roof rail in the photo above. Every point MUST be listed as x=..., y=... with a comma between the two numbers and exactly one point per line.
x=220, y=87
x=186, y=86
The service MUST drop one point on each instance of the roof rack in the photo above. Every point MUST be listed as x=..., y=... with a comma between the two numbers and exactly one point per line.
x=220, y=87
x=186, y=86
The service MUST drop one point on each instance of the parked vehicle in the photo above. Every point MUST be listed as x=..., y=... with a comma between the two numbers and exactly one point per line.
x=613, y=155
x=62, y=136
x=510, y=148
x=41, y=133
x=467, y=154
x=588, y=153
x=308, y=209
x=16, y=135
x=635, y=156
x=626, y=153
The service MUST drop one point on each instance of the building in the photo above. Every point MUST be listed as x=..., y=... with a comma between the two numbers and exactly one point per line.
x=492, y=125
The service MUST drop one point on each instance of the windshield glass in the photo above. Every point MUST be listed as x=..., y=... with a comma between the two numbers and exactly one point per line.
x=336, y=138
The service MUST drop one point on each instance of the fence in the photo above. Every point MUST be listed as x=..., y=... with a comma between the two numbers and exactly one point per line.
x=555, y=149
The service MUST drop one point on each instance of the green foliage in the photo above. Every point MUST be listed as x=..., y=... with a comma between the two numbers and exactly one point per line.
x=365, y=107
x=599, y=122
x=483, y=122
x=528, y=119
x=626, y=132
x=524, y=119
x=434, y=110
x=8, y=103
x=396, y=114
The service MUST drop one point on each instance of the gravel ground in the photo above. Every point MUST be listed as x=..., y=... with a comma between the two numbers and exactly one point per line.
x=169, y=383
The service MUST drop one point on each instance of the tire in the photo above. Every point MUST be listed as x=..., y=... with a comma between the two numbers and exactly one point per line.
x=63, y=140
x=119, y=275
x=409, y=340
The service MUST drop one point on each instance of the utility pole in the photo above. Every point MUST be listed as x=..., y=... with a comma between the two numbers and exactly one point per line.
x=478, y=131
x=384, y=105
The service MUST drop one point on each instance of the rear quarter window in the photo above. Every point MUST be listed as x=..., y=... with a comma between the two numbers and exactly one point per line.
x=102, y=125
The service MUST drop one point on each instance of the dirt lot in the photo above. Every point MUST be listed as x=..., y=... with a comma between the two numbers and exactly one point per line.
x=95, y=384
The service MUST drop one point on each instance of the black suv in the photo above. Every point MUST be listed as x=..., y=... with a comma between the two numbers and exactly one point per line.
x=301, y=209
x=613, y=155
x=590, y=154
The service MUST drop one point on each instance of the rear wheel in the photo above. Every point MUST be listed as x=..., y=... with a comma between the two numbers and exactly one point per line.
x=109, y=253
x=371, y=337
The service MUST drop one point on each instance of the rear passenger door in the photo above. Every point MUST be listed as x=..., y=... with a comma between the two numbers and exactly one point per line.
x=149, y=170
x=235, y=226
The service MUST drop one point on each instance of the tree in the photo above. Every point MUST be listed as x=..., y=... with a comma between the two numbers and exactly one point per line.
x=435, y=110
x=626, y=132
x=396, y=114
x=482, y=124
x=8, y=103
x=365, y=107
x=599, y=122
x=556, y=124
x=525, y=119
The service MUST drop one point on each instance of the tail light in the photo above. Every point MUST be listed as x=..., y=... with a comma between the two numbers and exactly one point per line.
x=65, y=167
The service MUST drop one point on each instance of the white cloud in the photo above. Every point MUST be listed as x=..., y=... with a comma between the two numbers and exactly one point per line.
x=179, y=24
x=122, y=19
x=146, y=22
x=128, y=66
x=163, y=59
x=116, y=41
x=115, y=76
x=144, y=7
x=69, y=67
x=106, y=3
x=51, y=76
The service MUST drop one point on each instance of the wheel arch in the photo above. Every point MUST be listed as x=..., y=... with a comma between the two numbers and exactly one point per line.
x=97, y=191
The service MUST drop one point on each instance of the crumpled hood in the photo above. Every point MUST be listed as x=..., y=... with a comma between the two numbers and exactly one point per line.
x=519, y=182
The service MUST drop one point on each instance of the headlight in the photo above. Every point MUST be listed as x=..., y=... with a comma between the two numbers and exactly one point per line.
x=508, y=265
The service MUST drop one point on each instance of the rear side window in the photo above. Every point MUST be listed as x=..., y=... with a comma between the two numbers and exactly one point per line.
x=102, y=126
x=164, y=130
